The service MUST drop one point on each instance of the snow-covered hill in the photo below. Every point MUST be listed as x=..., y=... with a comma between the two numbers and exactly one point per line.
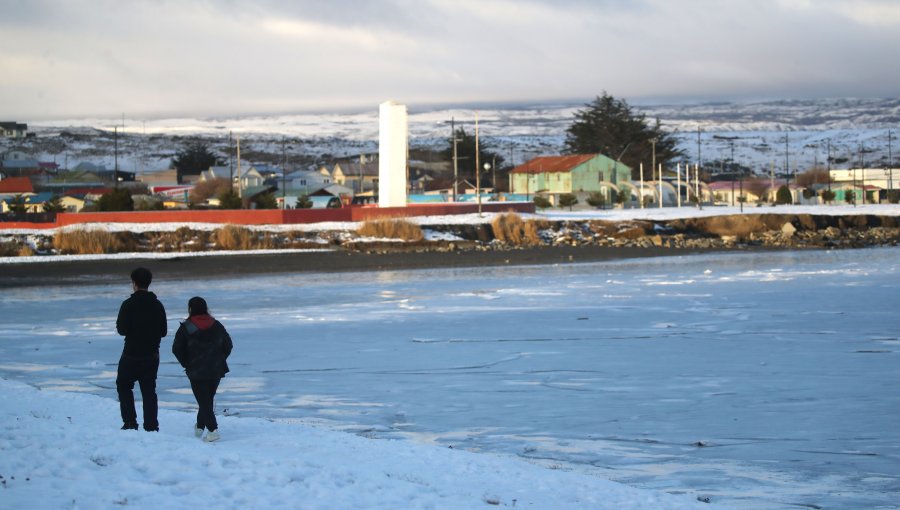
x=794, y=134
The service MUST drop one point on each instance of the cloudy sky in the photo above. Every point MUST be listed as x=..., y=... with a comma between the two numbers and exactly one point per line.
x=155, y=58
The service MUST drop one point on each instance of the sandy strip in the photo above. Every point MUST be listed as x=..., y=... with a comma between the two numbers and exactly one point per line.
x=187, y=267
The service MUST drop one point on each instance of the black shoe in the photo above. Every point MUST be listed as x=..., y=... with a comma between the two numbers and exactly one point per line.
x=130, y=425
x=151, y=429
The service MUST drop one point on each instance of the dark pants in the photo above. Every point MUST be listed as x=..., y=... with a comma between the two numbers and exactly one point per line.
x=143, y=371
x=205, y=393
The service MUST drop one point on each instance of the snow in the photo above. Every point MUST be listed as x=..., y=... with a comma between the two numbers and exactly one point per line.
x=62, y=450
x=757, y=380
x=764, y=134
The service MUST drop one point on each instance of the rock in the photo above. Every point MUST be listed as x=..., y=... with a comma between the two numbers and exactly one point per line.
x=788, y=230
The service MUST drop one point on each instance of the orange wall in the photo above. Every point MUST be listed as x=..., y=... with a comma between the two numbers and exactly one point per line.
x=270, y=216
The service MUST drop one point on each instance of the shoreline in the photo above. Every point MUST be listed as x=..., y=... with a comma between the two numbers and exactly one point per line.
x=188, y=267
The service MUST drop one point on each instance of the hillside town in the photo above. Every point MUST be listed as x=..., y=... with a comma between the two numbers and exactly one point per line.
x=32, y=189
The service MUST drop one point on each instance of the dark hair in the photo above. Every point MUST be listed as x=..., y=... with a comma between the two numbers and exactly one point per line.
x=142, y=277
x=197, y=306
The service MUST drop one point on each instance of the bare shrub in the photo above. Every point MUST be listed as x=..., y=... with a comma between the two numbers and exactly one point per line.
x=512, y=230
x=9, y=248
x=234, y=237
x=25, y=251
x=391, y=229
x=533, y=231
x=508, y=228
x=90, y=242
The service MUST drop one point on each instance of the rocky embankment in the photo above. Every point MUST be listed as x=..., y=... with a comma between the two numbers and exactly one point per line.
x=717, y=232
x=506, y=232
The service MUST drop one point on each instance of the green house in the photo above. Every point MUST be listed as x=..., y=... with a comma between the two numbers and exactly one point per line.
x=576, y=173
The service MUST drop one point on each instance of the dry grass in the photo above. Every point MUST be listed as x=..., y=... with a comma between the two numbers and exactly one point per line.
x=512, y=230
x=233, y=237
x=9, y=249
x=391, y=229
x=182, y=240
x=91, y=242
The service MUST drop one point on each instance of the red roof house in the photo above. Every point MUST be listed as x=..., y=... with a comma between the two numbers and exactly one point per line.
x=16, y=185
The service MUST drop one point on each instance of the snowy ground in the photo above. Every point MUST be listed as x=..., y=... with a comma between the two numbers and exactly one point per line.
x=758, y=380
x=60, y=450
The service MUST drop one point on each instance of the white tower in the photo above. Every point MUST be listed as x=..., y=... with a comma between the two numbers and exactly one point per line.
x=393, y=137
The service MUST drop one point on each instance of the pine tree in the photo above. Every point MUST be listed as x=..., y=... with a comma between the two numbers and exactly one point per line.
x=193, y=159
x=609, y=126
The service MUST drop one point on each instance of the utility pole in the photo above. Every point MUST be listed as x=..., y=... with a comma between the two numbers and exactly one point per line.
x=477, y=167
x=642, y=184
x=787, y=165
x=240, y=191
x=678, y=195
x=862, y=169
x=283, y=172
x=890, y=167
x=653, y=166
x=455, y=159
x=116, y=157
x=698, y=146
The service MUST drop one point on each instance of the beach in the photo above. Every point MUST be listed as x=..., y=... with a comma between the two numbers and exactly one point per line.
x=189, y=266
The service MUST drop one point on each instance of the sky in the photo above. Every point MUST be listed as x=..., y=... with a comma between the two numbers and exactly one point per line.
x=159, y=58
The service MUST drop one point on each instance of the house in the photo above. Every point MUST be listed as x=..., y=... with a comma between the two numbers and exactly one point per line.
x=116, y=175
x=16, y=186
x=358, y=177
x=88, y=167
x=167, y=177
x=305, y=182
x=72, y=203
x=218, y=172
x=20, y=167
x=884, y=181
x=13, y=130
x=34, y=203
x=576, y=173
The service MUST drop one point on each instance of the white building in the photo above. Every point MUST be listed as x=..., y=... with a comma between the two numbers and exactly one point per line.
x=393, y=139
x=883, y=178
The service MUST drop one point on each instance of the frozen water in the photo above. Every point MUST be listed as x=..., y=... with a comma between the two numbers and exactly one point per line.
x=765, y=380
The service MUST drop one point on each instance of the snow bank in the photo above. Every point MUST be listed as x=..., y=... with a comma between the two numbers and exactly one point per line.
x=64, y=450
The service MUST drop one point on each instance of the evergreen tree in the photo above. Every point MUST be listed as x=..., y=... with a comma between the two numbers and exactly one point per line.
x=567, y=200
x=609, y=126
x=541, y=202
x=193, y=159
x=266, y=201
x=783, y=195
x=230, y=200
x=465, y=155
x=54, y=205
x=17, y=205
x=118, y=199
x=303, y=202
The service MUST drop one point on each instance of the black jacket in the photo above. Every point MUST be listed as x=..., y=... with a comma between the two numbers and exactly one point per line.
x=142, y=321
x=201, y=346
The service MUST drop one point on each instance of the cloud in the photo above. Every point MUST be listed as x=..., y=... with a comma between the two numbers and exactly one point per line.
x=159, y=57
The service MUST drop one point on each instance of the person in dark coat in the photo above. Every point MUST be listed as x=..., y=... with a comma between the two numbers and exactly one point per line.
x=202, y=346
x=142, y=321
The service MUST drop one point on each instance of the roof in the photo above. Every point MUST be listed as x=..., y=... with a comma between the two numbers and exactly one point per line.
x=545, y=164
x=40, y=198
x=352, y=169
x=20, y=163
x=16, y=185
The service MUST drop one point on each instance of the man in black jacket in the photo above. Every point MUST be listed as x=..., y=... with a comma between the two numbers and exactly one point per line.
x=142, y=321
